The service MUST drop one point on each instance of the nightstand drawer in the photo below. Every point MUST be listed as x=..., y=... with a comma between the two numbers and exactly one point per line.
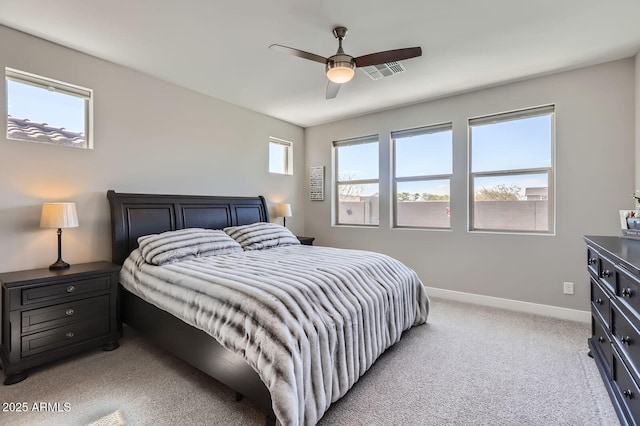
x=64, y=313
x=47, y=293
x=63, y=336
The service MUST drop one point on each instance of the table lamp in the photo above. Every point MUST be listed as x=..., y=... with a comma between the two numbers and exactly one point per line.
x=284, y=211
x=59, y=215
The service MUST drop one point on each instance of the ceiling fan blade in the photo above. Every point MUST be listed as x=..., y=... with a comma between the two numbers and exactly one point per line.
x=299, y=53
x=388, y=56
x=332, y=89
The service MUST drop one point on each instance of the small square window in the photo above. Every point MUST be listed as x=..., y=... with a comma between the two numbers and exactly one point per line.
x=280, y=156
x=43, y=110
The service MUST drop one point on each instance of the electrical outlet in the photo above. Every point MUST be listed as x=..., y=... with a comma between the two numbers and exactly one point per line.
x=568, y=288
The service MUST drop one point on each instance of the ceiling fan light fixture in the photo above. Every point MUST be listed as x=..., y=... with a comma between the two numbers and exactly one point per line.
x=341, y=71
x=341, y=68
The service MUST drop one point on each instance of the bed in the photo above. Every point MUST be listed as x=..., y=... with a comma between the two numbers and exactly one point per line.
x=306, y=345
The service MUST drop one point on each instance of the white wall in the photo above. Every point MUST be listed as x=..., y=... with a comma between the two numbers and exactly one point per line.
x=637, y=117
x=594, y=179
x=150, y=136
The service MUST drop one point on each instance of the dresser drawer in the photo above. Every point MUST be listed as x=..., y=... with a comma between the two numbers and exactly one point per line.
x=628, y=289
x=625, y=335
x=603, y=343
x=592, y=260
x=626, y=386
x=600, y=302
x=607, y=273
x=51, y=292
x=64, y=313
x=64, y=336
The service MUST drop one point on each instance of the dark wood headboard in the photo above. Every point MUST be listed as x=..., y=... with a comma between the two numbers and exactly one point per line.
x=134, y=215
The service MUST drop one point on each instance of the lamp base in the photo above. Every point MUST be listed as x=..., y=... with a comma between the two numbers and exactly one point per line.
x=60, y=264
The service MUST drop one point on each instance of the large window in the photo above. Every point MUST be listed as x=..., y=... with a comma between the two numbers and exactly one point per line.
x=423, y=163
x=43, y=110
x=356, y=181
x=280, y=156
x=511, y=171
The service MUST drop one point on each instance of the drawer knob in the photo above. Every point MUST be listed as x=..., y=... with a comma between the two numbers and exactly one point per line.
x=69, y=312
x=598, y=301
x=606, y=273
x=71, y=289
x=626, y=292
x=627, y=393
x=69, y=334
x=592, y=260
x=626, y=340
x=600, y=339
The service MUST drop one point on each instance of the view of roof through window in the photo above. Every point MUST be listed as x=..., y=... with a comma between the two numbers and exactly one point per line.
x=38, y=112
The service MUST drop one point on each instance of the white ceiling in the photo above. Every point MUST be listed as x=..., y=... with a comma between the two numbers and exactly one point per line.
x=220, y=48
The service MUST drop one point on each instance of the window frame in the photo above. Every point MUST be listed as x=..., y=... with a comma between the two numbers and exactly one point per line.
x=430, y=129
x=520, y=114
x=46, y=83
x=288, y=155
x=337, y=182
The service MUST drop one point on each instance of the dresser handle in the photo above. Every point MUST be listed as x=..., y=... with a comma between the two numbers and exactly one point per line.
x=626, y=340
x=598, y=301
x=592, y=260
x=626, y=292
x=71, y=289
x=69, y=311
x=606, y=273
x=69, y=334
x=600, y=339
x=627, y=393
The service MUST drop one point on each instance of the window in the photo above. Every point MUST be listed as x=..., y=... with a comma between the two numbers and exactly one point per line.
x=511, y=171
x=43, y=110
x=423, y=163
x=280, y=156
x=356, y=181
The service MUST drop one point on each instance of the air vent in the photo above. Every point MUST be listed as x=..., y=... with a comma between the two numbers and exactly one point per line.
x=376, y=72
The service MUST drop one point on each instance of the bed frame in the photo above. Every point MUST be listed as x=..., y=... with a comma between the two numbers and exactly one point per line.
x=133, y=215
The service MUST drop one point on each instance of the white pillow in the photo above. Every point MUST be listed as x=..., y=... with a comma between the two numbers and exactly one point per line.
x=261, y=235
x=184, y=244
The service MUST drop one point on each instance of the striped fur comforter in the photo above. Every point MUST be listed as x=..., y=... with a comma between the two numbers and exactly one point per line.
x=310, y=320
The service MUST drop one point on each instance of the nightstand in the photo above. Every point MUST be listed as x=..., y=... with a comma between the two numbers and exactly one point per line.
x=47, y=315
x=306, y=241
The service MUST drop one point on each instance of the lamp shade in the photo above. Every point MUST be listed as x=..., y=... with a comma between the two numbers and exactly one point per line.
x=59, y=215
x=283, y=210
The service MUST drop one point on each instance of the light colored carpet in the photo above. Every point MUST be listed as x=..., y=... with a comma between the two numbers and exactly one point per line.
x=114, y=419
x=470, y=365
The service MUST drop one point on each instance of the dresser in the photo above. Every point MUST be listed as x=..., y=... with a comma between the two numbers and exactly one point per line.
x=47, y=315
x=614, y=271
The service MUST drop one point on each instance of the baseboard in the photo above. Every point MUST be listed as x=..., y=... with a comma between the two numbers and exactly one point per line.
x=512, y=305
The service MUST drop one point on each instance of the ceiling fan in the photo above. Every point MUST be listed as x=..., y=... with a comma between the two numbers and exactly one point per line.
x=341, y=67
